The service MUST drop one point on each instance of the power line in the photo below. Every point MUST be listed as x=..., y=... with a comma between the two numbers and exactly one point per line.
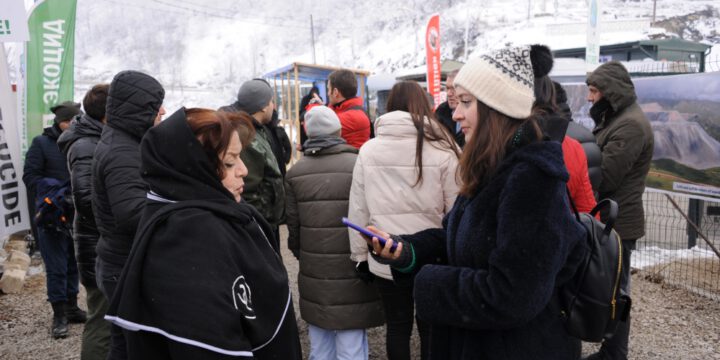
x=232, y=17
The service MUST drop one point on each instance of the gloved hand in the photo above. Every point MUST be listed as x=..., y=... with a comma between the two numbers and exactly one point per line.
x=363, y=272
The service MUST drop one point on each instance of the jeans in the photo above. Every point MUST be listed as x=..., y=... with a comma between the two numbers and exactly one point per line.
x=337, y=344
x=96, y=334
x=58, y=254
x=107, y=276
x=399, y=309
x=616, y=348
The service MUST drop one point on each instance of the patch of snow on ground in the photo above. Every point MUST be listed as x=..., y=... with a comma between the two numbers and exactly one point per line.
x=652, y=255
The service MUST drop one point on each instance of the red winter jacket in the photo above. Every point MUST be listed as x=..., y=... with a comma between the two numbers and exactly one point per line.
x=354, y=121
x=579, y=182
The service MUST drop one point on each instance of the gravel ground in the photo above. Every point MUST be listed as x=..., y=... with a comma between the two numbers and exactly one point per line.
x=668, y=323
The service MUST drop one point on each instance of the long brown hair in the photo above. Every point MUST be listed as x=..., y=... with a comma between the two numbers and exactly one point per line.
x=408, y=96
x=214, y=130
x=486, y=149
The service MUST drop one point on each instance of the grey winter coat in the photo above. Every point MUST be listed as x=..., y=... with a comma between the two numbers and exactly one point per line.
x=626, y=141
x=317, y=189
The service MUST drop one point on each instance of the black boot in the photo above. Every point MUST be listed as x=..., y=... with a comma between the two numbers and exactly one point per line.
x=60, y=321
x=74, y=314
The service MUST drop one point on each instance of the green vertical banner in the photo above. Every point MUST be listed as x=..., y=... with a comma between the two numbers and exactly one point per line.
x=50, y=59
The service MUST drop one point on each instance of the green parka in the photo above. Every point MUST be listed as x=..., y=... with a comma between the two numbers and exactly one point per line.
x=626, y=141
x=264, y=183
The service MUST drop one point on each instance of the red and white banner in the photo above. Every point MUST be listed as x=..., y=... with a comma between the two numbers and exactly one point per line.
x=432, y=46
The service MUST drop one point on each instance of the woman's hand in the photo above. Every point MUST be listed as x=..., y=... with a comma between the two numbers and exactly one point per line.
x=379, y=250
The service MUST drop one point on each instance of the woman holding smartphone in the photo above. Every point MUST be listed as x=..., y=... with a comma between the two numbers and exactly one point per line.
x=510, y=240
x=404, y=181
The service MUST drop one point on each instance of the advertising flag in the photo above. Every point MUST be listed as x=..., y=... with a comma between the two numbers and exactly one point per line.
x=13, y=200
x=432, y=46
x=49, y=57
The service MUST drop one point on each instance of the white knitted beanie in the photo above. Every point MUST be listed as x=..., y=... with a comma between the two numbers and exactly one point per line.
x=502, y=80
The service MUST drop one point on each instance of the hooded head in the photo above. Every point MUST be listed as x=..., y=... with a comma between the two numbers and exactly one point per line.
x=614, y=83
x=134, y=102
x=181, y=157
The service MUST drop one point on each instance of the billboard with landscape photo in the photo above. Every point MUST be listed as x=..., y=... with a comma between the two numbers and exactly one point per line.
x=684, y=111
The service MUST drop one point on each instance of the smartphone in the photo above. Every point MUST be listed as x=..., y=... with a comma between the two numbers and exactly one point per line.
x=368, y=233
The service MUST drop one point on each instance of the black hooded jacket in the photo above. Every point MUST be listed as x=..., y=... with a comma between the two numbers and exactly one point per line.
x=133, y=103
x=78, y=144
x=202, y=271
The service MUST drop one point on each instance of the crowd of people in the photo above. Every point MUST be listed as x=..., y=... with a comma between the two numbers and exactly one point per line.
x=172, y=226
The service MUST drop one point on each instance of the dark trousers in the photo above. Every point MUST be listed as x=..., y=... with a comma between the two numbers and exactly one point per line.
x=107, y=276
x=399, y=307
x=96, y=334
x=616, y=348
x=58, y=254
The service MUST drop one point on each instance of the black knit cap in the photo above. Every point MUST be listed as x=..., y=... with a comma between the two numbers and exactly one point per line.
x=65, y=111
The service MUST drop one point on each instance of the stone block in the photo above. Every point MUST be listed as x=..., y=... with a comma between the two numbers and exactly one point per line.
x=19, y=258
x=12, y=281
x=19, y=245
x=7, y=267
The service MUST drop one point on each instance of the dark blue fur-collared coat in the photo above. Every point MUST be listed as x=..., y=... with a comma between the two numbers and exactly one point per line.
x=491, y=272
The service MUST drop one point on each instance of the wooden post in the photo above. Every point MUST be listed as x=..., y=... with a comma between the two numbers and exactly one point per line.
x=362, y=88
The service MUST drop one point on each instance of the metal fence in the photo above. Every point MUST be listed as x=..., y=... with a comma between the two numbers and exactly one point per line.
x=676, y=62
x=680, y=247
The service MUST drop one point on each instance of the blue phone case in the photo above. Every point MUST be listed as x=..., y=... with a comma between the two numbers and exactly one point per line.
x=368, y=233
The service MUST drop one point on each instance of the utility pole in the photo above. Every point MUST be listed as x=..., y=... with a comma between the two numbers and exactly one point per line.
x=529, y=8
x=467, y=30
x=654, y=10
x=312, y=36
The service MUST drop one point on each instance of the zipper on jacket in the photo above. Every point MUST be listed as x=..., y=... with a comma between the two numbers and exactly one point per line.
x=613, y=302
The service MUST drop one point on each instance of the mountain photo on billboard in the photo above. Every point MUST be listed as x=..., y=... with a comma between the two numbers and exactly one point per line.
x=684, y=111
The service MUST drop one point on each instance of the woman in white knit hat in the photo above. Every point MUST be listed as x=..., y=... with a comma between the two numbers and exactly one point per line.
x=484, y=280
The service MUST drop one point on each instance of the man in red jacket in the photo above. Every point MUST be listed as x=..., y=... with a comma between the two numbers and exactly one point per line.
x=342, y=90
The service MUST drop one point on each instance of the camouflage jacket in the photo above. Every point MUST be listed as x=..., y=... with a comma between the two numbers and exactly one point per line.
x=264, y=183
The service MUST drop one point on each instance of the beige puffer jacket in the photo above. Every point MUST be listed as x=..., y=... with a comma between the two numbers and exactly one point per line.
x=382, y=192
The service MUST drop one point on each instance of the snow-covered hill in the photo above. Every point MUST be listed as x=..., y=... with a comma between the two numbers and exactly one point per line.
x=202, y=50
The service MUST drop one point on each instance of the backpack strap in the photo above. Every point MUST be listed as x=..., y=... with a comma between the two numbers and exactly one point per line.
x=612, y=213
x=572, y=204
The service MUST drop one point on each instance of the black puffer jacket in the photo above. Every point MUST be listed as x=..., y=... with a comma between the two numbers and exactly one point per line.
x=133, y=102
x=78, y=144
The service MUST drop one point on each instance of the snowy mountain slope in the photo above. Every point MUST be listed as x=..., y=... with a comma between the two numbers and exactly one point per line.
x=202, y=51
